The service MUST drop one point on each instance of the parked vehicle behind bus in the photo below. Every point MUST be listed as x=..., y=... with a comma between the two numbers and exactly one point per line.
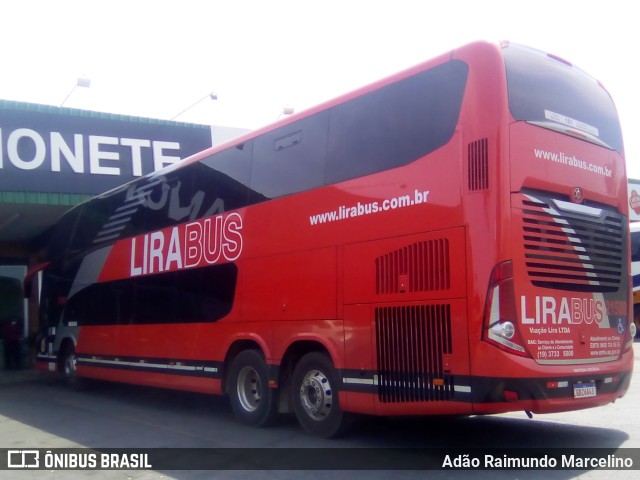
x=635, y=272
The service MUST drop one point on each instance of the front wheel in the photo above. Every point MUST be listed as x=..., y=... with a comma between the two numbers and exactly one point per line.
x=68, y=361
x=252, y=401
x=316, y=401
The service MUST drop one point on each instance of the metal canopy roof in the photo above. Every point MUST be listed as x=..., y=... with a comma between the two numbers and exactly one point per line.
x=24, y=216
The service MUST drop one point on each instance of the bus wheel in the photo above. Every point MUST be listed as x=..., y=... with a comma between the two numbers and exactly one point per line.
x=252, y=401
x=315, y=399
x=68, y=362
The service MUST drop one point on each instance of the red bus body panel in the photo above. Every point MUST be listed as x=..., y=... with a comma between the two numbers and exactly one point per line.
x=387, y=273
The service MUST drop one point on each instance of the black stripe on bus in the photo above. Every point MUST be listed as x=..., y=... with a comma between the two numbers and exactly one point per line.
x=192, y=368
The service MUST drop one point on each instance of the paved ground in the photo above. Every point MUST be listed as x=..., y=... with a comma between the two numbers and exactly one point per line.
x=37, y=411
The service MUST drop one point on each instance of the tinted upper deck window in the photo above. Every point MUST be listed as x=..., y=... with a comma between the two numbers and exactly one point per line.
x=396, y=124
x=291, y=158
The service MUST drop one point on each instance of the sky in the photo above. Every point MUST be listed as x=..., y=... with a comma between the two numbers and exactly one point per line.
x=155, y=58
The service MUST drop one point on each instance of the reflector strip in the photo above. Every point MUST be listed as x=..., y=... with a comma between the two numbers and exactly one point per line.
x=360, y=381
x=563, y=384
x=462, y=388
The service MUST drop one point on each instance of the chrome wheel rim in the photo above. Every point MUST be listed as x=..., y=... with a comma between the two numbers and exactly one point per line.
x=316, y=396
x=248, y=390
x=70, y=366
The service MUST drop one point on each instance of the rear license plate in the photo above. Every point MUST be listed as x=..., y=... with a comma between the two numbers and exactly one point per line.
x=584, y=390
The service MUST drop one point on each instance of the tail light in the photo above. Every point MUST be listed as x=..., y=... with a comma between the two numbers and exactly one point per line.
x=631, y=332
x=500, y=314
x=634, y=296
x=632, y=335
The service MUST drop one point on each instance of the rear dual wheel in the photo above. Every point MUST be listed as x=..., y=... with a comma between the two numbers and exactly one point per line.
x=315, y=396
x=314, y=388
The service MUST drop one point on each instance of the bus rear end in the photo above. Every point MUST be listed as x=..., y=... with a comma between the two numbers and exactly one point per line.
x=558, y=306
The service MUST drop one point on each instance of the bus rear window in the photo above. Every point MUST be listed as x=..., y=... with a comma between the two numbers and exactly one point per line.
x=555, y=94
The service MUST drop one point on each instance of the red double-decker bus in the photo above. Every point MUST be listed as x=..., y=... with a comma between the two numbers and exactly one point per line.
x=449, y=240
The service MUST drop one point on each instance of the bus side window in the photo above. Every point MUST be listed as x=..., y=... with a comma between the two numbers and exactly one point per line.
x=292, y=158
x=396, y=124
x=230, y=171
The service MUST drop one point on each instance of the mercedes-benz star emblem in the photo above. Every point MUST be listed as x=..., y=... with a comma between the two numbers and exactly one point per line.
x=577, y=195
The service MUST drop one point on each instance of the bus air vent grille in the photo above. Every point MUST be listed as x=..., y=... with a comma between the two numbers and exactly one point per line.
x=411, y=342
x=569, y=250
x=478, y=158
x=419, y=267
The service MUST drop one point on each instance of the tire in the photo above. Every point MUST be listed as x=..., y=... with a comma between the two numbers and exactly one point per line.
x=315, y=397
x=252, y=401
x=68, y=361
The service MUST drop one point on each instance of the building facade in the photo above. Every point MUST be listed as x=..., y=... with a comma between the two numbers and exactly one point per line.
x=54, y=158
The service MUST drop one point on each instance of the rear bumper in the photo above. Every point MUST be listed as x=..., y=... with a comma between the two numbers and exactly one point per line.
x=539, y=389
x=546, y=395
